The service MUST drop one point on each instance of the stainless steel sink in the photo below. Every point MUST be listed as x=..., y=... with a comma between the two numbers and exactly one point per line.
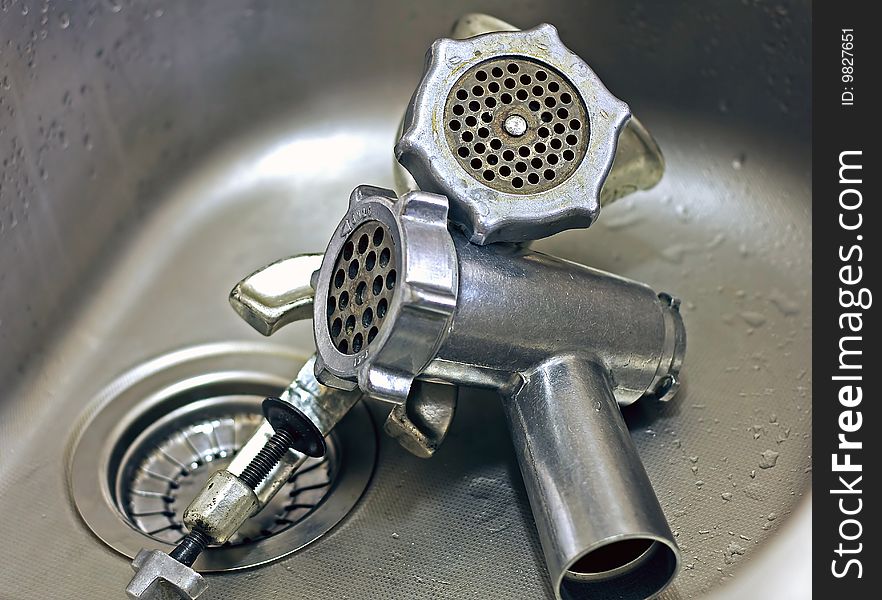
x=154, y=153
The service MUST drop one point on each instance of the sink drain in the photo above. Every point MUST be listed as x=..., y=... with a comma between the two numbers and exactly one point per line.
x=164, y=471
x=161, y=430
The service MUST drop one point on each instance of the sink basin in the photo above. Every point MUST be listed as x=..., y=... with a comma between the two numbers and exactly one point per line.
x=154, y=153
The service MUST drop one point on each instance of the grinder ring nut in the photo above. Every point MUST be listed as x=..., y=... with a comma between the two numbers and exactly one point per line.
x=529, y=134
x=390, y=279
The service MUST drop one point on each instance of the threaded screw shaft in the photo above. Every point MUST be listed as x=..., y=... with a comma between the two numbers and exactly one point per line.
x=268, y=457
x=189, y=548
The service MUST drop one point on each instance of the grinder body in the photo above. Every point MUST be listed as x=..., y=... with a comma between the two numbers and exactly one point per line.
x=516, y=308
x=562, y=343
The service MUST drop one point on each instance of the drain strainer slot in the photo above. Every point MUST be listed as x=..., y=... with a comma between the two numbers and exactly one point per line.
x=161, y=430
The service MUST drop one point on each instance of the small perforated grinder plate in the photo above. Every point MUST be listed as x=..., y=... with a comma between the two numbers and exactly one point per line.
x=516, y=125
x=362, y=287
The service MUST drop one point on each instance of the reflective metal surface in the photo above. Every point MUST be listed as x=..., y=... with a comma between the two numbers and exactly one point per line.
x=140, y=139
x=601, y=340
x=639, y=164
x=160, y=577
x=488, y=203
x=421, y=303
x=267, y=299
x=602, y=530
x=161, y=474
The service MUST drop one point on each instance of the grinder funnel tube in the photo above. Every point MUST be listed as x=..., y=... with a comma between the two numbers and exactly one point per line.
x=602, y=530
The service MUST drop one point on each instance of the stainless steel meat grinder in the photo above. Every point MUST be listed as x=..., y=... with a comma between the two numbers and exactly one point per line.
x=508, y=138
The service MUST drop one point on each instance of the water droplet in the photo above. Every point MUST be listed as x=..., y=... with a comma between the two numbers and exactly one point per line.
x=784, y=304
x=488, y=510
x=738, y=161
x=64, y=20
x=783, y=436
x=727, y=496
x=769, y=459
x=114, y=5
x=733, y=550
x=754, y=319
x=757, y=430
x=772, y=516
x=699, y=483
x=716, y=241
x=676, y=252
x=395, y=536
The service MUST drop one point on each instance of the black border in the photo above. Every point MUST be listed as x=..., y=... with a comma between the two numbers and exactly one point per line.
x=835, y=129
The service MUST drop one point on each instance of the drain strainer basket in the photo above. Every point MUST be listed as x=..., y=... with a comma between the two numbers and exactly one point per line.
x=158, y=432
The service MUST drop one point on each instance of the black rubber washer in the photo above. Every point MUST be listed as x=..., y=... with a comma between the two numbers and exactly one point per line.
x=283, y=415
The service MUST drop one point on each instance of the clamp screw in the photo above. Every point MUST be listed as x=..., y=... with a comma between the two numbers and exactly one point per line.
x=293, y=429
x=268, y=457
x=189, y=548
